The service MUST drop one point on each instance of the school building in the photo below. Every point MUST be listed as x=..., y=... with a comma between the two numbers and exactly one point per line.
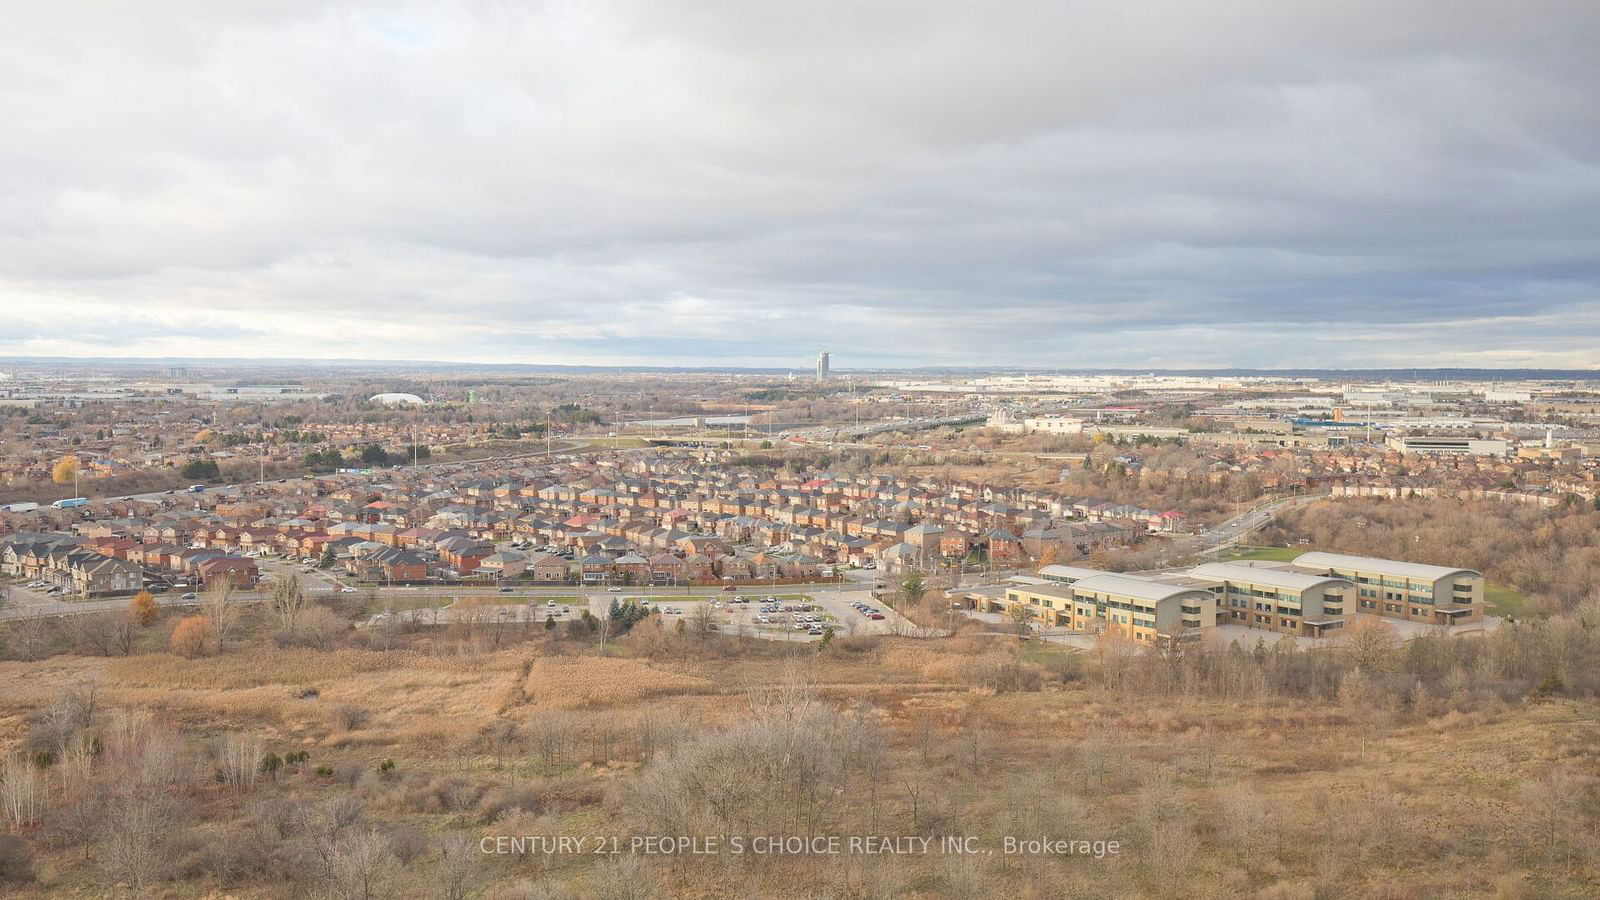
x=1313, y=596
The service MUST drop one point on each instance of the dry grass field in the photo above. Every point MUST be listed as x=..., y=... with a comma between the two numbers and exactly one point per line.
x=1449, y=767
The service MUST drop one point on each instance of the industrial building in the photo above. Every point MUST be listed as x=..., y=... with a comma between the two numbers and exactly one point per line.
x=1449, y=444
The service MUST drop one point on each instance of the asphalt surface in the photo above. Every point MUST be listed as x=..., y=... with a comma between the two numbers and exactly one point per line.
x=1253, y=520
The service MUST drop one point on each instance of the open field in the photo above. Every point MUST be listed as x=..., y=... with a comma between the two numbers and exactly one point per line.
x=422, y=743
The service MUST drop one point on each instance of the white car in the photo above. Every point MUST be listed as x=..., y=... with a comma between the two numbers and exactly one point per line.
x=347, y=590
x=614, y=590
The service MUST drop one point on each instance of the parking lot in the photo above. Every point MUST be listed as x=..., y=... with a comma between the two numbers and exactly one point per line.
x=773, y=616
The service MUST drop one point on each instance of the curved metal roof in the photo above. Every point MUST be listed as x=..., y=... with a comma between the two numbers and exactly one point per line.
x=1319, y=560
x=1278, y=578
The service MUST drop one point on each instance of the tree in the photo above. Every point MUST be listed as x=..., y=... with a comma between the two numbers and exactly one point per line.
x=104, y=633
x=703, y=623
x=65, y=470
x=239, y=758
x=191, y=635
x=329, y=557
x=361, y=866
x=288, y=601
x=913, y=587
x=24, y=792
x=1369, y=643
x=219, y=606
x=460, y=867
x=1018, y=613
x=143, y=610
x=201, y=470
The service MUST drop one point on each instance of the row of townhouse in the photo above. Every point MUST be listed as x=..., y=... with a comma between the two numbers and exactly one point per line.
x=643, y=509
x=1313, y=596
x=69, y=565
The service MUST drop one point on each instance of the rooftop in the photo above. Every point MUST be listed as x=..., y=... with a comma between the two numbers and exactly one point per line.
x=1132, y=586
x=1319, y=560
x=1271, y=576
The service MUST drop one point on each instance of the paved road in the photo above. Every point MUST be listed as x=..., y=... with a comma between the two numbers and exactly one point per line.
x=1245, y=523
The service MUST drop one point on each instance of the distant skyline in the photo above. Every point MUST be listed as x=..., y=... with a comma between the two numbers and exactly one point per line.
x=664, y=182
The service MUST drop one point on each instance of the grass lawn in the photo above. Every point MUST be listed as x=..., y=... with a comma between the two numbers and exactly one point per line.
x=1043, y=652
x=1502, y=601
x=1277, y=554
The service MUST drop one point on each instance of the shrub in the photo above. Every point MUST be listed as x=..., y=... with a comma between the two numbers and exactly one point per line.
x=143, y=609
x=349, y=716
x=191, y=636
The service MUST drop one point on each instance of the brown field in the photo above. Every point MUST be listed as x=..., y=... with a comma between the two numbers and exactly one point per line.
x=1455, y=768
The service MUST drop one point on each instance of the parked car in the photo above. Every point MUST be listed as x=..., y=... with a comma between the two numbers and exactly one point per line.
x=505, y=590
x=188, y=596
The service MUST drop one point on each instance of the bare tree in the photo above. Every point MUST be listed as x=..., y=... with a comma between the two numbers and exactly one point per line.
x=498, y=737
x=627, y=878
x=288, y=602
x=239, y=760
x=218, y=605
x=27, y=637
x=135, y=833
x=1369, y=643
x=104, y=633
x=703, y=624
x=1551, y=804
x=24, y=793
x=361, y=867
x=459, y=866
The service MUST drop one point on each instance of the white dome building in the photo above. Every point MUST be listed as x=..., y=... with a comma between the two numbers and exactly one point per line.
x=397, y=400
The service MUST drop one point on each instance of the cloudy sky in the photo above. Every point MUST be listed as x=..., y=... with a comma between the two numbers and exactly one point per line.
x=1052, y=183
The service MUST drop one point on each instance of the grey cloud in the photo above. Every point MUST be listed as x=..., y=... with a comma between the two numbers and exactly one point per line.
x=1166, y=184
